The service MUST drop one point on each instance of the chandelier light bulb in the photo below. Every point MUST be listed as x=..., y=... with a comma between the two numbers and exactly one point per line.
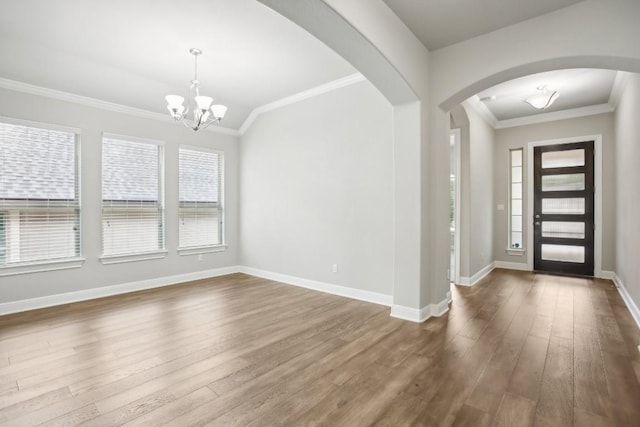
x=203, y=112
x=203, y=102
x=219, y=111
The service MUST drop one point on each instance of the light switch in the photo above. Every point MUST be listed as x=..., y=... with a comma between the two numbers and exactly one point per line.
x=500, y=207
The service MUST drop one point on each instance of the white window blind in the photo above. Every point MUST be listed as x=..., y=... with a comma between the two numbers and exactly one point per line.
x=132, y=208
x=200, y=211
x=39, y=194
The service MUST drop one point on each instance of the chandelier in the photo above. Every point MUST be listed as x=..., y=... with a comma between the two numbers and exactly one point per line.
x=543, y=98
x=204, y=113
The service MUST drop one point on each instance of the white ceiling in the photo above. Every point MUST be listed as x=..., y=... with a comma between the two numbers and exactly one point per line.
x=135, y=52
x=577, y=88
x=440, y=23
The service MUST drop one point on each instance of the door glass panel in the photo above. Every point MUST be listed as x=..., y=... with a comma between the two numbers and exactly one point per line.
x=563, y=229
x=563, y=253
x=563, y=182
x=563, y=159
x=573, y=206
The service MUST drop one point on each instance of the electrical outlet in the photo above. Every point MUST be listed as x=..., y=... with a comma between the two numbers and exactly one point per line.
x=335, y=268
x=200, y=257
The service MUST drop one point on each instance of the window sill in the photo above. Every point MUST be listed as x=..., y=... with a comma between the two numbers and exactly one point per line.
x=202, y=250
x=515, y=252
x=118, y=259
x=41, y=266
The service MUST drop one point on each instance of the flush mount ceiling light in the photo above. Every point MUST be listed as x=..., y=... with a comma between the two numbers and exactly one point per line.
x=543, y=98
x=203, y=112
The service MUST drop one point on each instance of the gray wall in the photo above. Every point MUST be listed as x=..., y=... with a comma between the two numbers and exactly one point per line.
x=92, y=123
x=476, y=191
x=316, y=184
x=519, y=137
x=481, y=138
x=627, y=188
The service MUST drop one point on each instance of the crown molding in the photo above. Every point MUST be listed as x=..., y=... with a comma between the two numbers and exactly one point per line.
x=619, y=84
x=556, y=115
x=301, y=96
x=481, y=108
x=97, y=103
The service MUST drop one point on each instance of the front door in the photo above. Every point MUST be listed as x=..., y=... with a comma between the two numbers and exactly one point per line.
x=563, y=208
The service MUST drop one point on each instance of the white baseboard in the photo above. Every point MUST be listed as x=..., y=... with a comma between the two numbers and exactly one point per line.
x=473, y=280
x=520, y=266
x=106, y=291
x=329, y=288
x=604, y=274
x=631, y=305
x=420, y=315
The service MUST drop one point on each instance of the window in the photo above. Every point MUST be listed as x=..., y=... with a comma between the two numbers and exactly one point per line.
x=39, y=194
x=132, y=202
x=200, y=211
x=515, y=210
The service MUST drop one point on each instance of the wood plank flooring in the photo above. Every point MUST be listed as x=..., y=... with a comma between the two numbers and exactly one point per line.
x=519, y=349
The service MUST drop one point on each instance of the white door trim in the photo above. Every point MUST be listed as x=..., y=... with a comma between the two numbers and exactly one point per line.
x=597, y=244
x=455, y=275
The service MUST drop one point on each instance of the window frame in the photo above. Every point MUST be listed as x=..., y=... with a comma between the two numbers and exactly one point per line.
x=218, y=247
x=510, y=249
x=144, y=255
x=52, y=264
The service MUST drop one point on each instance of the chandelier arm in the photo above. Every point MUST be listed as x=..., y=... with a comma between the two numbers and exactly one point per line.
x=201, y=119
x=208, y=123
x=187, y=125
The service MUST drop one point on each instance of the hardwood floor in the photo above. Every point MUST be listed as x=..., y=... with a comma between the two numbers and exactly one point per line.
x=517, y=349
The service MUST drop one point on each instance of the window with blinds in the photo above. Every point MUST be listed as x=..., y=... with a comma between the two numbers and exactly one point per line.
x=199, y=188
x=132, y=202
x=39, y=194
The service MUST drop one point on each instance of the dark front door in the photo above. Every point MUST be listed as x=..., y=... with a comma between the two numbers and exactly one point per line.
x=563, y=208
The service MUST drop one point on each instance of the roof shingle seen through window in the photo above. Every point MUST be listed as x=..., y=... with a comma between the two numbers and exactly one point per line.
x=129, y=170
x=36, y=164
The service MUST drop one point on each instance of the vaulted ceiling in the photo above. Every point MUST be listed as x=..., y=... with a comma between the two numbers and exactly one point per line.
x=133, y=53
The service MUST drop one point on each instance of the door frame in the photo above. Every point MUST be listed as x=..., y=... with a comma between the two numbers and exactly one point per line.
x=454, y=276
x=597, y=201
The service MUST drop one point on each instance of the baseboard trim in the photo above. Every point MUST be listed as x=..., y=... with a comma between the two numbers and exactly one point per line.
x=422, y=314
x=520, y=266
x=107, y=291
x=631, y=305
x=604, y=274
x=343, y=291
x=473, y=280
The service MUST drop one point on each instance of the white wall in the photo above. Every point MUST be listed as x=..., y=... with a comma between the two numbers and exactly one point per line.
x=478, y=195
x=375, y=41
x=93, y=122
x=519, y=137
x=627, y=129
x=589, y=34
x=316, y=185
